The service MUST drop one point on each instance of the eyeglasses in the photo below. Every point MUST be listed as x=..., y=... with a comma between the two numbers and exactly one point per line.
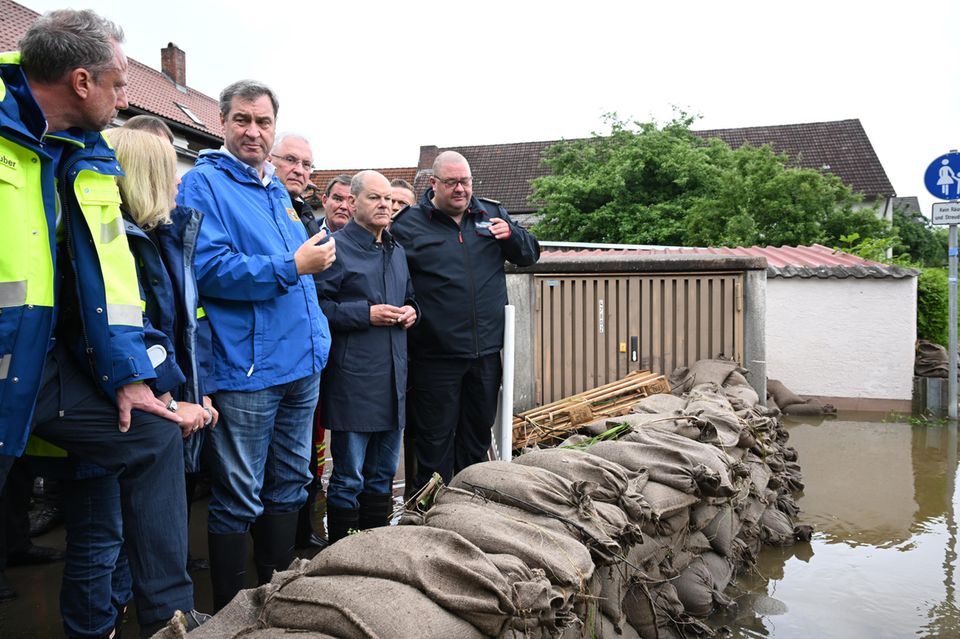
x=453, y=182
x=289, y=159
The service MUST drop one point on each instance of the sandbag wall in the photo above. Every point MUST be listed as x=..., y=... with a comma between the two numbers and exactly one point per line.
x=631, y=528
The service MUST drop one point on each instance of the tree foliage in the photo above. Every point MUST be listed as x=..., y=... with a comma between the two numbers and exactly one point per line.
x=646, y=183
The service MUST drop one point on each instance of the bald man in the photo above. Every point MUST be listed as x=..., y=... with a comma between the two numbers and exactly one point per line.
x=368, y=298
x=456, y=245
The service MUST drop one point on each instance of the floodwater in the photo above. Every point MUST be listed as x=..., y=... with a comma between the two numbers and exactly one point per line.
x=883, y=561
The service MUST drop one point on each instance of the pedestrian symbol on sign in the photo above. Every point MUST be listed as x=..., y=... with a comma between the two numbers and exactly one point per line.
x=946, y=179
x=942, y=178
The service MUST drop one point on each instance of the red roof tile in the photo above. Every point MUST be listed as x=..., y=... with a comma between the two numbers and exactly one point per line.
x=149, y=90
x=322, y=176
x=783, y=261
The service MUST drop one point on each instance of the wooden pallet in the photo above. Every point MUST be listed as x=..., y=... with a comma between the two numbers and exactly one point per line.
x=555, y=421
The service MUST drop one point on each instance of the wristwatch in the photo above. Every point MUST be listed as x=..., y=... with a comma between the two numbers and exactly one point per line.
x=172, y=405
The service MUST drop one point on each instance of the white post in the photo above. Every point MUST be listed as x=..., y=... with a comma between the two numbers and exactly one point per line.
x=506, y=391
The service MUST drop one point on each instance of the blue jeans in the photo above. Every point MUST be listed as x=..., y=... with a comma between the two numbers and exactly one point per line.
x=73, y=414
x=96, y=574
x=362, y=463
x=260, y=449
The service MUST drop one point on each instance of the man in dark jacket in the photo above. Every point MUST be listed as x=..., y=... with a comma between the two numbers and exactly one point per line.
x=456, y=245
x=368, y=298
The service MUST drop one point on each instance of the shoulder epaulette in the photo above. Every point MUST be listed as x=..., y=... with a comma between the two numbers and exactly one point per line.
x=486, y=199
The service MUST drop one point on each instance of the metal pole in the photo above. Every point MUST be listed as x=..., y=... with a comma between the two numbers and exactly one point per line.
x=506, y=392
x=952, y=349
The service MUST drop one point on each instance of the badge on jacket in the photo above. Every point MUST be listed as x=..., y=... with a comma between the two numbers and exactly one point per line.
x=292, y=214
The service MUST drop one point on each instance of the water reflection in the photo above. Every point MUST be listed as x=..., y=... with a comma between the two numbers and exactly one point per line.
x=883, y=560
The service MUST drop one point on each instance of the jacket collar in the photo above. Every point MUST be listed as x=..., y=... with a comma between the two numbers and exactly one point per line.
x=363, y=237
x=238, y=170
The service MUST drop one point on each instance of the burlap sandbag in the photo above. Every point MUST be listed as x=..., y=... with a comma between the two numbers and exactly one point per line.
x=721, y=569
x=684, y=464
x=722, y=530
x=444, y=566
x=521, y=575
x=602, y=540
x=659, y=403
x=237, y=618
x=665, y=501
x=707, y=396
x=781, y=395
x=615, y=484
x=702, y=514
x=599, y=625
x=351, y=607
x=541, y=492
x=713, y=371
x=697, y=591
x=674, y=422
x=776, y=529
x=565, y=561
x=741, y=397
x=639, y=611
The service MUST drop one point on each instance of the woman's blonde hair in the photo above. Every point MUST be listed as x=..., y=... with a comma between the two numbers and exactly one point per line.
x=150, y=181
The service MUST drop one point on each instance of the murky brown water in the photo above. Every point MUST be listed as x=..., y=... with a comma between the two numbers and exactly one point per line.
x=883, y=562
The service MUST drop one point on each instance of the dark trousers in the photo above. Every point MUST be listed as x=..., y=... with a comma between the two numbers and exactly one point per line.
x=73, y=414
x=452, y=407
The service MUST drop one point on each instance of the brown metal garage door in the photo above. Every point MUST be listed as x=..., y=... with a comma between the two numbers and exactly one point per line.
x=593, y=329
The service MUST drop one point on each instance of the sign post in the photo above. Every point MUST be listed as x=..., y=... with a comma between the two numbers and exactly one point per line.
x=942, y=180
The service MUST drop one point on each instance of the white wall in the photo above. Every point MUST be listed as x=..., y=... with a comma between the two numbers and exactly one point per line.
x=842, y=337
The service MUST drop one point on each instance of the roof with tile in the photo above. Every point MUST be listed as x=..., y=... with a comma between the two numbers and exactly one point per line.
x=505, y=171
x=814, y=261
x=321, y=177
x=149, y=90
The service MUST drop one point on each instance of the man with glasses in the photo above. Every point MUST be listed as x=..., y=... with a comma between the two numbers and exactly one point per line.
x=293, y=159
x=337, y=209
x=456, y=245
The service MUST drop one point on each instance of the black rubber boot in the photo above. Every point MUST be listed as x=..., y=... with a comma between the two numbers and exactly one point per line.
x=375, y=510
x=228, y=566
x=273, y=537
x=340, y=521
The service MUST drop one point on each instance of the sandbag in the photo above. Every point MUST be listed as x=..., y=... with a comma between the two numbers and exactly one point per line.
x=540, y=491
x=665, y=501
x=639, y=611
x=697, y=591
x=776, y=528
x=600, y=539
x=565, y=561
x=722, y=530
x=615, y=484
x=781, y=395
x=721, y=569
x=741, y=397
x=351, y=607
x=444, y=566
x=713, y=371
x=659, y=403
x=684, y=464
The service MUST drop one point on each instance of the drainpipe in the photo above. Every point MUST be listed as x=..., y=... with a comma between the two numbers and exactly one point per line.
x=506, y=392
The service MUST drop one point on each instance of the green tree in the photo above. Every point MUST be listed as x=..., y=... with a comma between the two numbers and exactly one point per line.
x=650, y=184
x=923, y=242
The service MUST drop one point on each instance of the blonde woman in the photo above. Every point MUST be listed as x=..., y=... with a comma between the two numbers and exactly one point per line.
x=98, y=575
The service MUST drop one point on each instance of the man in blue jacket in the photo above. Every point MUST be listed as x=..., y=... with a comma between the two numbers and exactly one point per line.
x=254, y=266
x=72, y=354
x=456, y=245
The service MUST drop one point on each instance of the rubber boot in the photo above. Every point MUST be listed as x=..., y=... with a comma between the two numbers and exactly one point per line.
x=228, y=566
x=375, y=510
x=340, y=521
x=273, y=537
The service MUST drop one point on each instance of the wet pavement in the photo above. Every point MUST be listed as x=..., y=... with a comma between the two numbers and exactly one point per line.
x=883, y=561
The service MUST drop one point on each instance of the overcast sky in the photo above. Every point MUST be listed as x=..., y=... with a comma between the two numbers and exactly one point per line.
x=370, y=82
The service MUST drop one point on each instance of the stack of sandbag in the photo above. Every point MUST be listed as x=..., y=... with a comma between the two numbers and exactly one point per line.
x=633, y=527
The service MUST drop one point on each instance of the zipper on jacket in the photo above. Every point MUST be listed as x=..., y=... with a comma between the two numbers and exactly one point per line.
x=68, y=239
x=473, y=295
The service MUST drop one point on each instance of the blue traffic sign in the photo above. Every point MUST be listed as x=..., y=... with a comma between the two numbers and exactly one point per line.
x=942, y=178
